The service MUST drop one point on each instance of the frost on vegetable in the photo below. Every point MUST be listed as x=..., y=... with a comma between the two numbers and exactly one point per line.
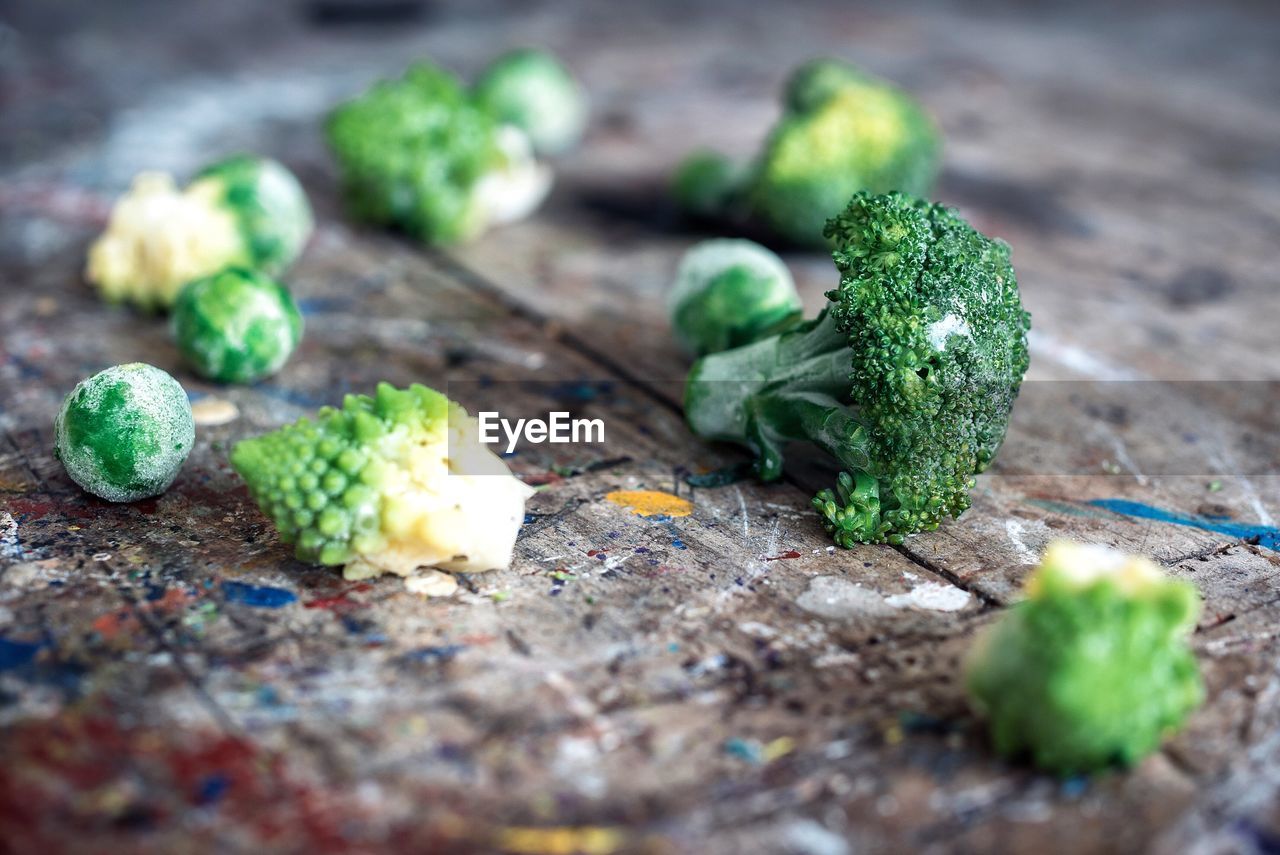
x=387, y=484
x=728, y=293
x=243, y=211
x=124, y=433
x=421, y=155
x=906, y=379
x=1092, y=668
x=269, y=205
x=841, y=131
x=533, y=91
x=236, y=326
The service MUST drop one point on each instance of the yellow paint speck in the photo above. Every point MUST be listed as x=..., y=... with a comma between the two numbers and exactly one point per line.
x=648, y=503
x=584, y=840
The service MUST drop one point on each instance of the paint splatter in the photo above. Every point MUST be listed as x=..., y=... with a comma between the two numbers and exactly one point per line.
x=648, y=503
x=1263, y=535
x=933, y=596
x=720, y=477
x=9, y=546
x=783, y=556
x=15, y=654
x=258, y=596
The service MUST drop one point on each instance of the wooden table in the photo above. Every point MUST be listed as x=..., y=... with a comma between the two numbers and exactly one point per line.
x=172, y=680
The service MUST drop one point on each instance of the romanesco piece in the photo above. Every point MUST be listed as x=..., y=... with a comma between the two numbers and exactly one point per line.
x=532, y=90
x=728, y=293
x=421, y=155
x=387, y=484
x=236, y=326
x=1093, y=668
x=906, y=379
x=841, y=131
x=124, y=433
x=244, y=211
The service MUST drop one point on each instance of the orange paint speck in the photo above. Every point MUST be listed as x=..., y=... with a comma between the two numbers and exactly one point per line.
x=650, y=503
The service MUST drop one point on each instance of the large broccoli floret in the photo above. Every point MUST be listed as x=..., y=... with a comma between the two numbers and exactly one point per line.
x=907, y=378
x=420, y=154
x=1093, y=667
x=532, y=90
x=387, y=484
x=841, y=131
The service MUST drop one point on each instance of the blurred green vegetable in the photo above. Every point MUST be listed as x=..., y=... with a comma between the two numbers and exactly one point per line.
x=532, y=90
x=1093, y=667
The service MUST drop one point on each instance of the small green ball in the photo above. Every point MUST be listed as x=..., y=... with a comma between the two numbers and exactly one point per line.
x=532, y=90
x=728, y=293
x=124, y=433
x=270, y=207
x=236, y=326
x=705, y=184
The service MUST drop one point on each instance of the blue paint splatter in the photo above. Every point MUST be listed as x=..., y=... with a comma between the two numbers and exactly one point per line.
x=1263, y=535
x=441, y=653
x=259, y=596
x=15, y=654
x=212, y=788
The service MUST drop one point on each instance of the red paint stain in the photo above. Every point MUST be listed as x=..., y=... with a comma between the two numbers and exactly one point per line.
x=125, y=621
x=85, y=775
x=791, y=554
x=592, y=553
x=341, y=601
x=34, y=509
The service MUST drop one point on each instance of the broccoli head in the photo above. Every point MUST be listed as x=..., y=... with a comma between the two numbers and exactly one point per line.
x=387, y=484
x=728, y=293
x=1092, y=668
x=532, y=90
x=907, y=377
x=421, y=155
x=841, y=131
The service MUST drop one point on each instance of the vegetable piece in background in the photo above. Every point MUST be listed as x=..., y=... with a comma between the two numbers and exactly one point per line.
x=269, y=205
x=841, y=131
x=244, y=211
x=124, y=433
x=533, y=91
x=906, y=378
x=1093, y=668
x=387, y=484
x=419, y=154
x=728, y=293
x=236, y=326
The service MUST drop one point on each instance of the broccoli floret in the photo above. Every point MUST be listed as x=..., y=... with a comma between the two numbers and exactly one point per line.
x=906, y=378
x=841, y=131
x=532, y=90
x=387, y=484
x=1092, y=668
x=245, y=211
x=270, y=207
x=728, y=293
x=236, y=326
x=421, y=155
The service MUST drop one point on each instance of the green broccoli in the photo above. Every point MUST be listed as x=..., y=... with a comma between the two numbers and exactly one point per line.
x=1092, y=668
x=728, y=293
x=906, y=378
x=532, y=90
x=841, y=131
x=236, y=326
x=421, y=155
x=387, y=484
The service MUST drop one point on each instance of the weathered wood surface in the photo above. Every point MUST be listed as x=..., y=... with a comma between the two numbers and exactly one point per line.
x=171, y=680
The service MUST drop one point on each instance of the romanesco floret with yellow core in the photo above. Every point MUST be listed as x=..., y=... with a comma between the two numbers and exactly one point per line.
x=387, y=484
x=1092, y=668
x=159, y=238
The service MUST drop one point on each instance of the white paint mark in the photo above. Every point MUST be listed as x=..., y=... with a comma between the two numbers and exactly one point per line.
x=1078, y=360
x=1225, y=461
x=9, y=546
x=933, y=596
x=742, y=508
x=1121, y=451
x=807, y=837
x=210, y=412
x=839, y=599
x=1015, y=531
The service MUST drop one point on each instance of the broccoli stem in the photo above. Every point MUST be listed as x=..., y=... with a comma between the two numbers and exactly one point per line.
x=792, y=386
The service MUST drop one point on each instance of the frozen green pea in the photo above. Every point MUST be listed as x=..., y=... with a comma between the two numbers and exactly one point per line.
x=236, y=326
x=124, y=433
